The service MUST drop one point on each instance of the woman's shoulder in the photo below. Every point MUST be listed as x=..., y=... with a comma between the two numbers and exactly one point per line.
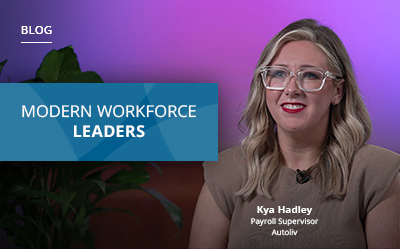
x=230, y=162
x=372, y=172
x=225, y=177
x=371, y=157
x=229, y=154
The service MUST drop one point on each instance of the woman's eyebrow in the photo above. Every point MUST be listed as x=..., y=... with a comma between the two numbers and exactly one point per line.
x=301, y=66
x=308, y=65
x=281, y=65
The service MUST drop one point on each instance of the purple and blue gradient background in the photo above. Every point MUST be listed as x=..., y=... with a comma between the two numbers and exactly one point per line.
x=207, y=41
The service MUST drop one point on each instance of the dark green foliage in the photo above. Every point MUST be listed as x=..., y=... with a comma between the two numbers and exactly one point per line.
x=62, y=66
x=49, y=204
x=2, y=65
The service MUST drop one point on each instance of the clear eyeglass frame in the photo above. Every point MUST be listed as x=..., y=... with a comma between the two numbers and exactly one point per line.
x=324, y=74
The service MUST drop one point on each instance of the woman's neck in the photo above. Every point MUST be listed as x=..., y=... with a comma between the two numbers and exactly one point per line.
x=300, y=151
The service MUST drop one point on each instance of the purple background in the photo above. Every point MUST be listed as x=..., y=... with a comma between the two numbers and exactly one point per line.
x=206, y=41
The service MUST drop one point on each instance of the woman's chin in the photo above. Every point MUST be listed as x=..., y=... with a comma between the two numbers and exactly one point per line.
x=291, y=128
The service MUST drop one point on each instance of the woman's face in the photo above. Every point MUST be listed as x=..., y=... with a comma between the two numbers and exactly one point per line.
x=293, y=109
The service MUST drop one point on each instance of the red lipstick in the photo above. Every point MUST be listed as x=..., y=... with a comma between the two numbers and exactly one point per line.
x=293, y=107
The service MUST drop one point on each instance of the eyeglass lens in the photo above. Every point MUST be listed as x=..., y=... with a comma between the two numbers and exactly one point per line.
x=309, y=79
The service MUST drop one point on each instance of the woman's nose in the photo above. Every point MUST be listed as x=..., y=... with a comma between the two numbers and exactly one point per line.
x=292, y=88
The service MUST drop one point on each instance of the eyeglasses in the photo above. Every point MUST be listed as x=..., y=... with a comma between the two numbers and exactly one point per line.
x=310, y=79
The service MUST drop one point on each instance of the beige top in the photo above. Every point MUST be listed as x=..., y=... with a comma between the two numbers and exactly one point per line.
x=297, y=217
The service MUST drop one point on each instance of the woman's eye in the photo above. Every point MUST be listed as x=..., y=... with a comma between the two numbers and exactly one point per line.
x=311, y=75
x=277, y=74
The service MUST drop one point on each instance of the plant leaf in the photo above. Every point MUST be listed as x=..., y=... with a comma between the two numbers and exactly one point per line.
x=80, y=217
x=88, y=239
x=21, y=190
x=136, y=175
x=50, y=211
x=115, y=188
x=25, y=208
x=23, y=234
x=103, y=209
x=173, y=210
x=2, y=65
x=58, y=65
x=155, y=165
x=84, y=77
x=69, y=231
x=39, y=225
x=35, y=80
x=101, y=184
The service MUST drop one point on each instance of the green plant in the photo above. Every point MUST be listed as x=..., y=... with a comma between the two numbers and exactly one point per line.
x=49, y=204
x=2, y=65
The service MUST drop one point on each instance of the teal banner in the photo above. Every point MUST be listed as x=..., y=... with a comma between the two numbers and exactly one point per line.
x=109, y=122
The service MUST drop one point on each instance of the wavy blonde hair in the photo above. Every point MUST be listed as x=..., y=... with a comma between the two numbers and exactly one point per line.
x=349, y=128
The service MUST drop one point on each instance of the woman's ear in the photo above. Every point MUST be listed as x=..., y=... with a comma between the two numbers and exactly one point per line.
x=339, y=91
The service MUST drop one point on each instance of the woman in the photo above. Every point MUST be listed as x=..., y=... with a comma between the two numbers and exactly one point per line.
x=303, y=176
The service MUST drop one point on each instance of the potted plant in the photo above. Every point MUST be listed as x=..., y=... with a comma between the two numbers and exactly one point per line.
x=49, y=204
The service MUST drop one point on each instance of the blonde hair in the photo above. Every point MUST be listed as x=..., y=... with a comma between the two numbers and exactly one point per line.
x=349, y=128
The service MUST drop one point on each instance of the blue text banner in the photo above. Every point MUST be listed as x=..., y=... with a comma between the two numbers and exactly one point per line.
x=109, y=122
